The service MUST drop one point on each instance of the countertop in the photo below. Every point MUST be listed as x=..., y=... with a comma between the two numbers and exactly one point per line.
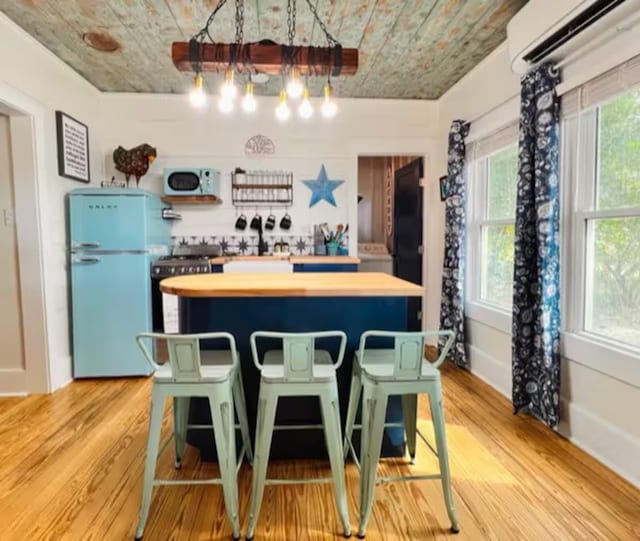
x=286, y=284
x=294, y=259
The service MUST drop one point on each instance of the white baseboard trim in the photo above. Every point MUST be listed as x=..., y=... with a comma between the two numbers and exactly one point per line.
x=490, y=370
x=13, y=382
x=604, y=441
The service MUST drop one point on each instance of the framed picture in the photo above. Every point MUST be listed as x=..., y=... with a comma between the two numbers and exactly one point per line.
x=443, y=188
x=73, y=148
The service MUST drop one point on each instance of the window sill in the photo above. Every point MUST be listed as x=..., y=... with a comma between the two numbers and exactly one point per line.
x=620, y=363
x=489, y=314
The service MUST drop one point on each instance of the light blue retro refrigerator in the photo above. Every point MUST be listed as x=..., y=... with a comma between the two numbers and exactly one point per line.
x=115, y=234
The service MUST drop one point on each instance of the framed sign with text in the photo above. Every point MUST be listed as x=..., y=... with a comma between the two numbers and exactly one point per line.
x=73, y=148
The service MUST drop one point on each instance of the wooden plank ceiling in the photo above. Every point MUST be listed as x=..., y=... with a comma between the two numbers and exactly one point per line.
x=413, y=49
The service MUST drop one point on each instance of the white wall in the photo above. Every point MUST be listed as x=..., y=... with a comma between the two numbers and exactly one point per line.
x=207, y=138
x=599, y=410
x=36, y=83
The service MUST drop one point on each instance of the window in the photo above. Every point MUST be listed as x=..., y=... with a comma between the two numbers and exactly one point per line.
x=492, y=224
x=607, y=220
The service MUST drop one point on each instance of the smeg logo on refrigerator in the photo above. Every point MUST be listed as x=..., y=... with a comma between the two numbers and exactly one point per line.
x=103, y=207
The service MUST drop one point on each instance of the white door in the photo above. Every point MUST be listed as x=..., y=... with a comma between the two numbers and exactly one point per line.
x=12, y=351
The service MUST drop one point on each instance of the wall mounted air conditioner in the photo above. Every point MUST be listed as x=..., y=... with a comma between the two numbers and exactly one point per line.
x=552, y=30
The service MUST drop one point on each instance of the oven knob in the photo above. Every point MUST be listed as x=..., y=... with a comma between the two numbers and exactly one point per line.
x=204, y=268
x=190, y=269
x=156, y=270
x=172, y=270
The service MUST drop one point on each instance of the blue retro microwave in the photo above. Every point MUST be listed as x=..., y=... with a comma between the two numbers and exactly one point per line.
x=191, y=181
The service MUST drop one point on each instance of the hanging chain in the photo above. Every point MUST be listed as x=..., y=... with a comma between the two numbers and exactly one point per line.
x=204, y=31
x=330, y=39
x=239, y=21
x=291, y=20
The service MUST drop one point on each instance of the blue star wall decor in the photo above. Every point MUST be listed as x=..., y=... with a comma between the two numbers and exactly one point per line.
x=322, y=188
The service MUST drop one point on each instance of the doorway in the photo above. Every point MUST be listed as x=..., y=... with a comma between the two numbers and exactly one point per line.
x=391, y=221
x=12, y=362
x=24, y=363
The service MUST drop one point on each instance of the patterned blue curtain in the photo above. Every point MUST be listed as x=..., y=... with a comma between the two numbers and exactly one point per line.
x=452, y=303
x=536, y=287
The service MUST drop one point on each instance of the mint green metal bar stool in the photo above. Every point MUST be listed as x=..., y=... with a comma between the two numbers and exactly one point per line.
x=378, y=374
x=298, y=370
x=214, y=374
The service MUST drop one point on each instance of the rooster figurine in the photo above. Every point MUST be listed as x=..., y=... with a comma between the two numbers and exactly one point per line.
x=134, y=161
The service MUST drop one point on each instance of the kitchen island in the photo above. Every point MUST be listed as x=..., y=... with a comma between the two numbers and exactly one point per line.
x=292, y=302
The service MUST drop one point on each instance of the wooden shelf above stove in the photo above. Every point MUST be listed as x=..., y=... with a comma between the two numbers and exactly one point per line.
x=192, y=199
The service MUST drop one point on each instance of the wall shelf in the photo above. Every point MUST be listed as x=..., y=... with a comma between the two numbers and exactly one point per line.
x=192, y=199
x=266, y=188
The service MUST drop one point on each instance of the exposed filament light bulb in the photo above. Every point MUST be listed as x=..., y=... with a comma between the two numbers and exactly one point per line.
x=197, y=96
x=249, y=103
x=329, y=107
x=295, y=88
x=305, y=110
x=228, y=90
x=282, y=111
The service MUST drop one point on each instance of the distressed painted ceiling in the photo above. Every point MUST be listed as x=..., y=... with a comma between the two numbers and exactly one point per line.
x=408, y=48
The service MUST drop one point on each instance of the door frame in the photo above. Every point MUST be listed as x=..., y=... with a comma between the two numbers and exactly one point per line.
x=27, y=122
x=368, y=148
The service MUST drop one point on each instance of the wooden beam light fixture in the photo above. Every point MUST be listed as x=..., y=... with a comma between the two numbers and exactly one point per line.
x=295, y=63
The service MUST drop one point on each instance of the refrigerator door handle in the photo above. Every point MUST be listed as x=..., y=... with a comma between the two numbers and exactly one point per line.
x=80, y=245
x=86, y=260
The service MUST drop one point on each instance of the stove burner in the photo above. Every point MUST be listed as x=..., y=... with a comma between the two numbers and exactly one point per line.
x=174, y=266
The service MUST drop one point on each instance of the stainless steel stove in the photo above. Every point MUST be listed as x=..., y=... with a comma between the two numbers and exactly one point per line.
x=184, y=260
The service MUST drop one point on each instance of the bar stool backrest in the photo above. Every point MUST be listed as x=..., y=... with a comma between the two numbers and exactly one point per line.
x=184, y=358
x=408, y=350
x=184, y=352
x=298, y=352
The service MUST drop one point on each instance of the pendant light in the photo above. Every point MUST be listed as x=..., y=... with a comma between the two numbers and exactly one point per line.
x=197, y=96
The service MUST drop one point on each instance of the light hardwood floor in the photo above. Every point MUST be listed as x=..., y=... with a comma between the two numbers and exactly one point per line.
x=71, y=467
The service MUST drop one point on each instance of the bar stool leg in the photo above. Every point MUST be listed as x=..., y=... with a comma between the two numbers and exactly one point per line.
x=437, y=415
x=264, y=431
x=153, y=444
x=354, y=398
x=331, y=422
x=241, y=410
x=180, y=421
x=410, y=418
x=221, y=404
x=374, y=407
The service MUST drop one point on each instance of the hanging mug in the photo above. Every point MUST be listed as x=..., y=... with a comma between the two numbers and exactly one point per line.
x=270, y=222
x=256, y=222
x=241, y=222
x=285, y=222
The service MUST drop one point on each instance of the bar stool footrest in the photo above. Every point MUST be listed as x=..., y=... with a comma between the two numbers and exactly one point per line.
x=319, y=480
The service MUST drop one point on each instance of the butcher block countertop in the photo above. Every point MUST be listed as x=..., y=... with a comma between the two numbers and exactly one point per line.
x=294, y=259
x=286, y=284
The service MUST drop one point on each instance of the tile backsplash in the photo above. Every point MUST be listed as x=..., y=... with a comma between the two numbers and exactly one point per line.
x=248, y=244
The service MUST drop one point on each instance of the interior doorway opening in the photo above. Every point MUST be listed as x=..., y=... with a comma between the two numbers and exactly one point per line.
x=391, y=220
x=24, y=367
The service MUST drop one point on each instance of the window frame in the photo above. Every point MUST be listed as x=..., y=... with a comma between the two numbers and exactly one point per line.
x=478, y=307
x=580, y=154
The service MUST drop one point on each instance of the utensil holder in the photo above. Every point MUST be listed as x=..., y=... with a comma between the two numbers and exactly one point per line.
x=332, y=248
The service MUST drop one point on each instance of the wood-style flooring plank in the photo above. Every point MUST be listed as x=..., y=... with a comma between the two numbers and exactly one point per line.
x=71, y=469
